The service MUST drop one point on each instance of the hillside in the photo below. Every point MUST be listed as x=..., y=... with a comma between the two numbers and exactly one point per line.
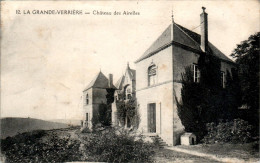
x=73, y=122
x=12, y=126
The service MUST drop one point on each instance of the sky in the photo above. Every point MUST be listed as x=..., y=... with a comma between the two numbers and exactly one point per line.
x=47, y=60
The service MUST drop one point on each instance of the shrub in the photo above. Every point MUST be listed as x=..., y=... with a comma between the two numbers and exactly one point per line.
x=39, y=146
x=128, y=110
x=237, y=131
x=117, y=146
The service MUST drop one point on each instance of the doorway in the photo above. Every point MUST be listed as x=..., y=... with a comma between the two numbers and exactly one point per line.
x=152, y=118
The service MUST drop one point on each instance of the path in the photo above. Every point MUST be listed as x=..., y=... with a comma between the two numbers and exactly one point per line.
x=209, y=156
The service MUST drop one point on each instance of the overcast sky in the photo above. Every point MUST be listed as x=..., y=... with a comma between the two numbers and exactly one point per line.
x=47, y=60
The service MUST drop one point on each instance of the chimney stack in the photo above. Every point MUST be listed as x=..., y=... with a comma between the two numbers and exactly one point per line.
x=204, y=30
x=110, y=80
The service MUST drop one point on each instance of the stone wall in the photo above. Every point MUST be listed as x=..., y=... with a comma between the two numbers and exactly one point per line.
x=160, y=93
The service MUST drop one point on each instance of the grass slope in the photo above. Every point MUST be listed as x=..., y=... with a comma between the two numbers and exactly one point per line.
x=13, y=126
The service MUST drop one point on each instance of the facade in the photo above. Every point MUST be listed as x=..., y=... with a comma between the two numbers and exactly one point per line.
x=94, y=95
x=158, y=79
x=126, y=86
x=156, y=83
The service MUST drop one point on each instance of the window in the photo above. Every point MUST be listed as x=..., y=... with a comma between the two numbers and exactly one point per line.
x=87, y=100
x=151, y=75
x=87, y=117
x=129, y=96
x=196, y=73
x=222, y=79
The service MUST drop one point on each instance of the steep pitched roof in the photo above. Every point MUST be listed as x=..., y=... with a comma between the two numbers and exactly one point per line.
x=100, y=81
x=196, y=37
x=183, y=36
x=165, y=38
x=120, y=82
x=131, y=73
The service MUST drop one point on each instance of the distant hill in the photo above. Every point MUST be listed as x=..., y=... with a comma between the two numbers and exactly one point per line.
x=73, y=122
x=12, y=126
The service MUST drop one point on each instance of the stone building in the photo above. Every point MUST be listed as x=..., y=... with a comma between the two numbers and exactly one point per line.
x=94, y=95
x=157, y=80
x=126, y=86
x=158, y=77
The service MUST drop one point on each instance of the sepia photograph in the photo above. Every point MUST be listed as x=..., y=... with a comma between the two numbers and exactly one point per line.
x=129, y=81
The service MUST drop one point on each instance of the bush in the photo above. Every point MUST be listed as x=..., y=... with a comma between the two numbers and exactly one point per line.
x=39, y=146
x=128, y=111
x=237, y=131
x=117, y=146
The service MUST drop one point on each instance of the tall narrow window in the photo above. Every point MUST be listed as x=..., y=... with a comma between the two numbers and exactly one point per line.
x=196, y=73
x=151, y=75
x=87, y=99
x=87, y=117
x=222, y=79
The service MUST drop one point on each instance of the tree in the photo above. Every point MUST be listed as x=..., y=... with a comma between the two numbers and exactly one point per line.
x=190, y=108
x=246, y=55
x=232, y=95
x=127, y=113
x=206, y=101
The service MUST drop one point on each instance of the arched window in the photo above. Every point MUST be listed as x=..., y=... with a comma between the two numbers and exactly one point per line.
x=151, y=75
x=87, y=100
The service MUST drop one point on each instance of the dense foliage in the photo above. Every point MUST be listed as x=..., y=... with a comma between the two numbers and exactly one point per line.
x=117, y=146
x=127, y=110
x=236, y=131
x=189, y=109
x=246, y=55
x=102, y=116
x=207, y=101
x=108, y=145
x=39, y=146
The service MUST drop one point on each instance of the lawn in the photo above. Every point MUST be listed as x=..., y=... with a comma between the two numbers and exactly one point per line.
x=248, y=151
x=166, y=155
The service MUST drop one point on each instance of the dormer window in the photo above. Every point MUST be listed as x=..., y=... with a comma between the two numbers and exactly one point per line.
x=87, y=100
x=151, y=75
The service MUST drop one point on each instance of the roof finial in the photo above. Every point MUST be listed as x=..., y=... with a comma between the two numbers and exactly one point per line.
x=203, y=8
x=128, y=64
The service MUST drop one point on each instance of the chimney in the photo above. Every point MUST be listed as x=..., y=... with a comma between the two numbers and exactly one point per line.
x=204, y=30
x=110, y=80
